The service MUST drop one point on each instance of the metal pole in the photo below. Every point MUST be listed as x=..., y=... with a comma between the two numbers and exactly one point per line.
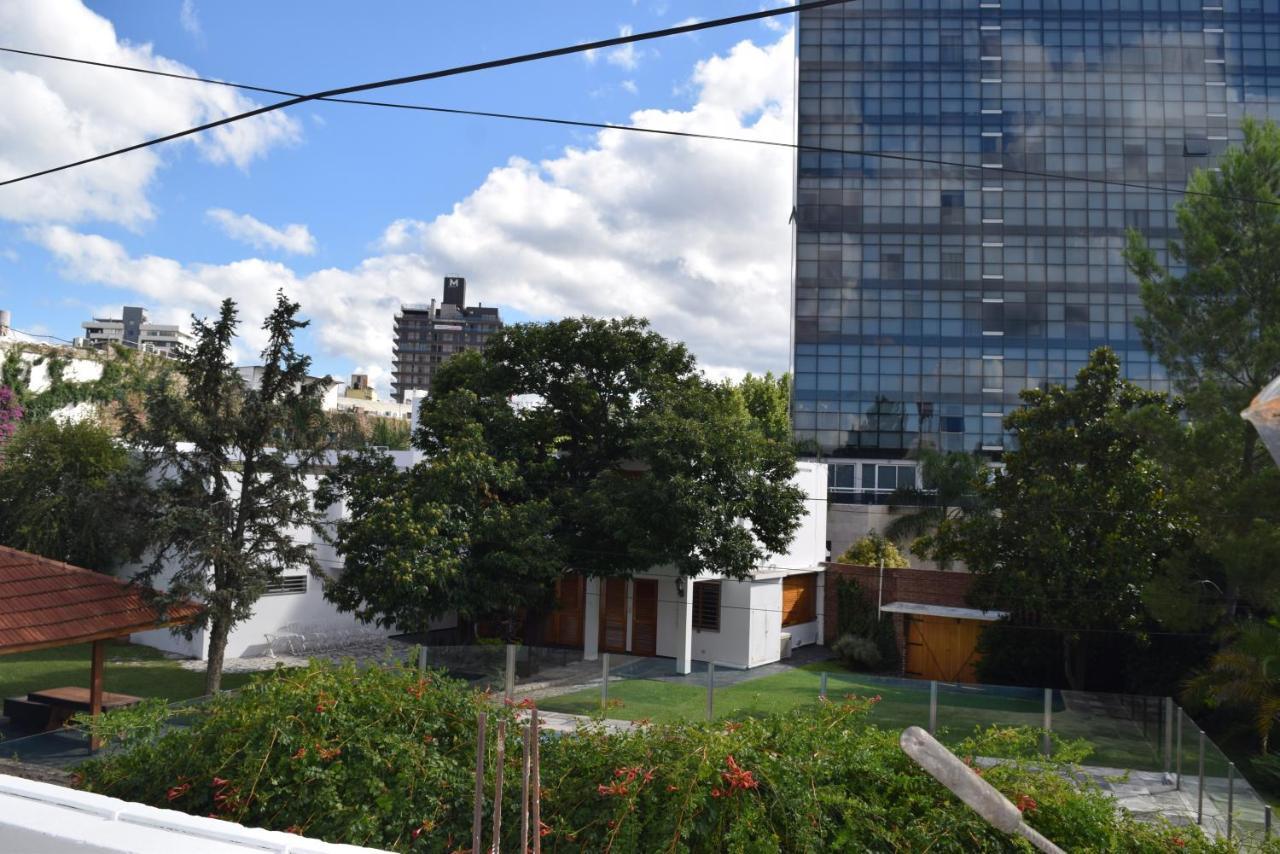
x=422, y=658
x=1047, y=747
x=481, y=720
x=511, y=671
x=1200, y=788
x=1231, y=797
x=497, y=785
x=1168, y=735
x=1266, y=822
x=526, y=760
x=1178, y=763
x=711, y=689
x=933, y=706
x=604, y=681
x=535, y=786
x=822, y=686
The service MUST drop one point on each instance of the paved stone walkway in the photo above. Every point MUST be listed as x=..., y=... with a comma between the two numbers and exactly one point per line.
x=371, y=651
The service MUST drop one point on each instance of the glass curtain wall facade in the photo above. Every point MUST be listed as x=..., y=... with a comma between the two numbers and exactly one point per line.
x=927, y=296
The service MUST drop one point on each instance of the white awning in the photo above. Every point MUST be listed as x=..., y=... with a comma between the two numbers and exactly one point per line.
x=943, y=611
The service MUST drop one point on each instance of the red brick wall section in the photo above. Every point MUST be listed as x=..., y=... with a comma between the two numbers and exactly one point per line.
x=925, y=586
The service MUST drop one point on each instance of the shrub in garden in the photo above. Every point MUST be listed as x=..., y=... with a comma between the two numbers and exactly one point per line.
x=857, y=652
x=383, y=757
x=379, y=757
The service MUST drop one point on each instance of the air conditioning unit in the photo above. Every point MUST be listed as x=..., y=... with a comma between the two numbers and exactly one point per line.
x=784, y=641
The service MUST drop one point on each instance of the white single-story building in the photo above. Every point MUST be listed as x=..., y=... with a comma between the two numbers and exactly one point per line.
x=734, y=623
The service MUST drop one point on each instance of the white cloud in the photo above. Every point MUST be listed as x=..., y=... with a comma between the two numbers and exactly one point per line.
x=9, y=254
x=691, y=234
x=625, y=56
x=54, y=113
x=630, y=86
x=293, y=238
x=188, y=18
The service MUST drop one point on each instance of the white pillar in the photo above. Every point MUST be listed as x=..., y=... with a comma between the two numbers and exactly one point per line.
x=684, y=651
x=591, y=621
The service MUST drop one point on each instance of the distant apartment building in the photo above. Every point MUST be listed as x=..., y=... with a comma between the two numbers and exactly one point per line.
x=359, y=396
x=428, y=334
x=134, y=331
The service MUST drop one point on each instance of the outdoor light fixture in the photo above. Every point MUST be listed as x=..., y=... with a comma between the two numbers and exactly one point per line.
x=680, y=586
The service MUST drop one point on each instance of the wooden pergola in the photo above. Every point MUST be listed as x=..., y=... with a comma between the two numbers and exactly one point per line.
x=46, y=603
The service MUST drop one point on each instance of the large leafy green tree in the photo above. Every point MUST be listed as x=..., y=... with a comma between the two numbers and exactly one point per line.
x=584, y=445
x=70, y=492
x=1078, y=520
x=230, y=464
x=1213, y=320
x=768, y=399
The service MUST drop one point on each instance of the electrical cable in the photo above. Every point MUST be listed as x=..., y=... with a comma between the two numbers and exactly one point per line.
x=455, y=71
x=801, y=147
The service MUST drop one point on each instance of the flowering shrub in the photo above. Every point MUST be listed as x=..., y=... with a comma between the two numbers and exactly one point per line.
x=10, y=414
x=384, y=757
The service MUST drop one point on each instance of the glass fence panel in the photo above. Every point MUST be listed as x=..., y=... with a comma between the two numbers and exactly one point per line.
x=1126, y=732
x=965, y=709
x=636, y=688
x=902, y=703
x=482, y=665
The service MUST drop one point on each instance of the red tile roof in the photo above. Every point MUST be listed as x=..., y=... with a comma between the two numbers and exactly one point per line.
x=45, y=603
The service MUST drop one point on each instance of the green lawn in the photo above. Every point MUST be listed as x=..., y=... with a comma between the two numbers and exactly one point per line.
x=137, y=670
x=902, y=704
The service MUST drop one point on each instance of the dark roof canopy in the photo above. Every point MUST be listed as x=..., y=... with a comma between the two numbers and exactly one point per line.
x=46, y=603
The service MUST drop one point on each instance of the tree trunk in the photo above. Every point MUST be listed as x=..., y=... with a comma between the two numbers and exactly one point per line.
x=219, y=632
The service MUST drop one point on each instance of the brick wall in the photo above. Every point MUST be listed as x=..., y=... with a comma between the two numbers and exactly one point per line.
x=923, y=586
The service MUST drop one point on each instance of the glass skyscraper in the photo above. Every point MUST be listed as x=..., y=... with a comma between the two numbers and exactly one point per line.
x=926, y=296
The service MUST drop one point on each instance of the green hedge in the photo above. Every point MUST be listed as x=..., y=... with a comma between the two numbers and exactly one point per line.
x=383, y=757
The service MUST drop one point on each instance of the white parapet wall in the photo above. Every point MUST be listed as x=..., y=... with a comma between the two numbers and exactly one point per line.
x=39, y=818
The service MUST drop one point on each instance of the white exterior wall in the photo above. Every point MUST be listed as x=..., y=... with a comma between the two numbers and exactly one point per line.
x=808, y=547
x=307, y=615
x=39, y=818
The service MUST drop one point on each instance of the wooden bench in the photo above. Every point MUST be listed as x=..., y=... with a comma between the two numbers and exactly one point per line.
x=64, y=703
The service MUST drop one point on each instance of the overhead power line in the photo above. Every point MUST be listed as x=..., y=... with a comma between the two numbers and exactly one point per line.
x=817, y=149
x=446, y=72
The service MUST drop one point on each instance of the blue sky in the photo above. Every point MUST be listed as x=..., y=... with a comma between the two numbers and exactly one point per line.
x=352, y=209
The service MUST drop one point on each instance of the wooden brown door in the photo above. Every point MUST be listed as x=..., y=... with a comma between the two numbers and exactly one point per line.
x=564, y=625
x=942, y=648
x=613, y=615
x=644, y=617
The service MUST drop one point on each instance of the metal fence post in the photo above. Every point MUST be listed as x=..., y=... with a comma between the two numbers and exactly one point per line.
x=933, y=706
x=1178, y=754
x=1231, y=797
x=1168, y=735
x=604, y=681
x=1200, y=788
x=478, y=803
x=711, y=689
x=422, y=658
x=822, y=686
x=1047, y=747
x=511, y=671
x=1266, y=823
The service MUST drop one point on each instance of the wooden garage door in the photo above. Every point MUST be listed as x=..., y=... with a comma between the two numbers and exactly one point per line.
x=644, y=617
x=613, y=615
x=799, y=599
x=564, y=625
x=942, y=648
